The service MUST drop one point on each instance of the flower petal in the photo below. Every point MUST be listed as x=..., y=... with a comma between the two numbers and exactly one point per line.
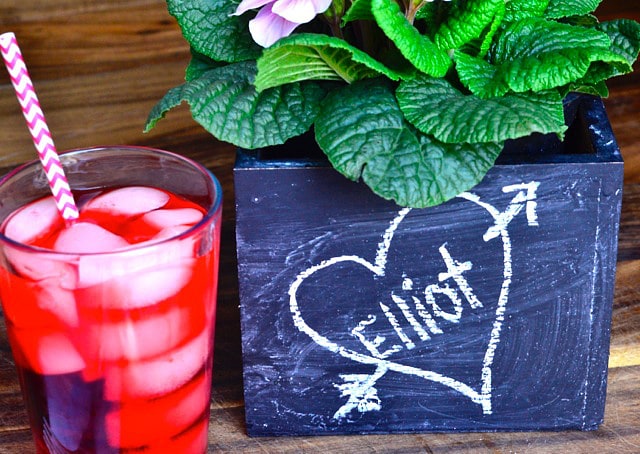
x=267, y=28
x=300, y=11
x=246, y=5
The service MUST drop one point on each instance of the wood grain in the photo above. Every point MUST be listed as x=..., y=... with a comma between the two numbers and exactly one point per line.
x=100, y=66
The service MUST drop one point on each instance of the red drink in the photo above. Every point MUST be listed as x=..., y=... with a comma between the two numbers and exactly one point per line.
x=111, y=320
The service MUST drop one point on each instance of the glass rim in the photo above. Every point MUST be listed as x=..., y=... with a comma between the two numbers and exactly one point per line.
x=215, y=207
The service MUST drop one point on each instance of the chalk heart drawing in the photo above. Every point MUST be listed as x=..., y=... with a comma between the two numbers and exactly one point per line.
x=424, y=314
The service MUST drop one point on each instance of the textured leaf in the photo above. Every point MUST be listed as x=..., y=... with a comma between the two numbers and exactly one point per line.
x=479, y=76
x=416, y=48
x=564, y=8
x=466, y=22
x=523, y=9
x=539, y=36
x=434, y=13
x=227, y=105
x=315, y=57
x=600, y=72
x=211, y=29
x=361, y=129
x=437, y=108
x=354, y=123
x=569, y=66
x=493, y=29
x=625, y=37
x=430, y=175
x=173, y=98
x=625, y=42
x=536, y=55
x=596, y=89
x=198, y=65
x=359, y=10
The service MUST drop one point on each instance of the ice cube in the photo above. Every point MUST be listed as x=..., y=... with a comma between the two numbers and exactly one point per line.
x=129, y=201
x=58, y=301
x=19, y=302
x=94, y=269
x=33, y=221
x=150, y=287
x=164, y=417
x=184, y=247
x=159, y=375
x=143, y=288
x=42, y=265
x=171, y=231
x=136, y=340
x=38, y=267
x=48, y=353
x=42, y=304
x=85, y=237
x=161, y=219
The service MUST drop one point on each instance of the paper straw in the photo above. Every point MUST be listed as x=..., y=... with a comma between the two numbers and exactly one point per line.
x=38, y=127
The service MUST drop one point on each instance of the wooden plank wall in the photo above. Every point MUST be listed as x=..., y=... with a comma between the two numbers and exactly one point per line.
x=99, y=67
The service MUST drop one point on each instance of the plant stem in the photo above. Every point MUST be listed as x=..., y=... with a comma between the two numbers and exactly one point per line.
x=336, y=30
x=411, y=9
x=333, y=20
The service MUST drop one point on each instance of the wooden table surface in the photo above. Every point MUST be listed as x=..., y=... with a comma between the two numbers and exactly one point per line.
x=100, y=66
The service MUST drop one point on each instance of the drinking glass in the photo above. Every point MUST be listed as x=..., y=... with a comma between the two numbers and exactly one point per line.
x=114, y=350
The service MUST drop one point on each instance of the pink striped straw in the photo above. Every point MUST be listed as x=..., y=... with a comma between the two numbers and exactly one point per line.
x=38, y=127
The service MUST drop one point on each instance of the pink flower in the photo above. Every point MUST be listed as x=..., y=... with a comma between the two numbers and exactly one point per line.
x=278, y=18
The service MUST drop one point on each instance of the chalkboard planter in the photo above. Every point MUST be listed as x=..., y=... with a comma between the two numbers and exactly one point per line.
x=489, y=312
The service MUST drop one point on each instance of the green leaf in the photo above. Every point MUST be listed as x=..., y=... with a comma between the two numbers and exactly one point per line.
x=568, y=66
x=316, y=57
x=173, y=98
x=625, y=37
x=437, y=108
x=434, y=13
x=523, y=9
x=564, y=8
x=225, y=103
x=362, y=131
x=430, y=174
x=466, y=22
x=359, y=10
x=198, y=65
x=354, y=123
x=212, y=31
x=416, y=48
x=625, y=42
x=600, y=72
x=493, y=29
x=596, y=89
x=537, y=55
x=479, y=76
x=535, y=36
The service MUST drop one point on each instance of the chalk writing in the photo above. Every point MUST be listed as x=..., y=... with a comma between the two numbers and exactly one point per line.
x=424, y=313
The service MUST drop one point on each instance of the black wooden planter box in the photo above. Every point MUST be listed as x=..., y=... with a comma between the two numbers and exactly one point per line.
x=490, y=312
